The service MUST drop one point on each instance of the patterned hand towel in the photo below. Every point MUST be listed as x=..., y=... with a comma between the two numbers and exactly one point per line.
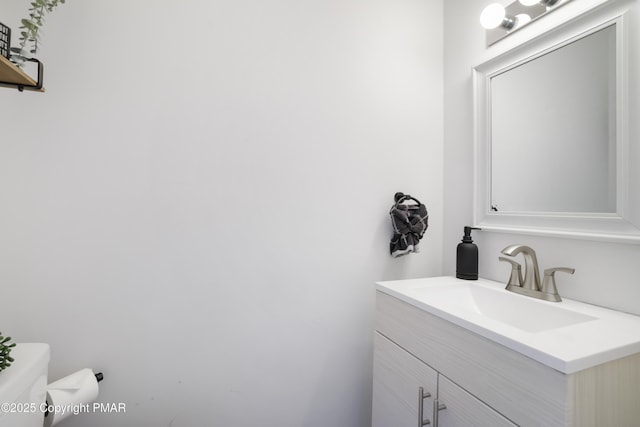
x=409, y=225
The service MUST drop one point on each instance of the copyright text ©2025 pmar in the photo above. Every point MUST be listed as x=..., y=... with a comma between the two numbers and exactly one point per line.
x=75, y=409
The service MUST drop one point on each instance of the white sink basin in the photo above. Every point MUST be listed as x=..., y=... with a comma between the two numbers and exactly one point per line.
x=568, y=336
x=514, y=310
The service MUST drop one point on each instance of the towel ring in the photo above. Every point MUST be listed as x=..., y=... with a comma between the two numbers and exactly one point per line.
x=400, y=197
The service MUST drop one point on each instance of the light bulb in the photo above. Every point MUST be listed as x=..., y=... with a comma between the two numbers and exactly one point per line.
x=522, y=19
x=492, y=16
x=528, y=2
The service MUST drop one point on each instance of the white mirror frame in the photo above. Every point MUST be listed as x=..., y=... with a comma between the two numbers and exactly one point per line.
x=618, y=226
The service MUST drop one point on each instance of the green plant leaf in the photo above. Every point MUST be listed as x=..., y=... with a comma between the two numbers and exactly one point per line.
x=31, y=26
x=28, y=23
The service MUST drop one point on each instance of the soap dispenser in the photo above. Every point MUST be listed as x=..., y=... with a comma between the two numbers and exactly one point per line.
x=467, y=257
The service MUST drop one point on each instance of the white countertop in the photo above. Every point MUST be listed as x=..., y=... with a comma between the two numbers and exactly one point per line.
x=568, y=336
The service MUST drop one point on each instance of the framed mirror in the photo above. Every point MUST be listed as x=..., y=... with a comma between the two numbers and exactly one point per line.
x=551, y=148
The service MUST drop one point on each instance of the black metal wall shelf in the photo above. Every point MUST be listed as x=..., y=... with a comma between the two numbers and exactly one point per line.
x=12, y=76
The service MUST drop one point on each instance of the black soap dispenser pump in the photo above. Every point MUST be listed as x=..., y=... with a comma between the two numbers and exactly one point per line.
x=467, y=257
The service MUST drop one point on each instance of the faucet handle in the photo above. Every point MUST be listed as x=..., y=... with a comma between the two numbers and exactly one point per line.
x=550, y=271
x=549, y=282
x=516, y=272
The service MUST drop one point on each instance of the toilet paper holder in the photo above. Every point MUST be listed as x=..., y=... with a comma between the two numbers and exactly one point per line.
x=83, y=381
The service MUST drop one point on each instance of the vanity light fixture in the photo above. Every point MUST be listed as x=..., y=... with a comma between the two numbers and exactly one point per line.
x=494, y=16
x=542, y=2
x=500, y=21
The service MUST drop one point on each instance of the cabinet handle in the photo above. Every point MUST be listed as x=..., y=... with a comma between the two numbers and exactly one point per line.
x=421, y=396
x=437, y=406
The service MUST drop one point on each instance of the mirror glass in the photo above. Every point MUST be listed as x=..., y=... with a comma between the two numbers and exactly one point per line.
x=554, y=154
x=553, y=130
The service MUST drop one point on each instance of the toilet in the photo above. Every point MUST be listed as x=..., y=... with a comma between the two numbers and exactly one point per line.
x=23, y=386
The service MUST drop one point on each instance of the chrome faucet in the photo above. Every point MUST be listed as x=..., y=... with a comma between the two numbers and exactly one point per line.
x=531, y=274
x=530, y=284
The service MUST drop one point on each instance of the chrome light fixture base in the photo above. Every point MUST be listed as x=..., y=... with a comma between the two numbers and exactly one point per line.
x=522, y=15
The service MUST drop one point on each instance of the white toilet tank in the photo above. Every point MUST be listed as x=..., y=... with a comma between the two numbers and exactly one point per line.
x=23, y=386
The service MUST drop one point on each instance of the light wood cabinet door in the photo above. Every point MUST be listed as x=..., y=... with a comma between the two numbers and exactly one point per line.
x=397, y=378
x=464, y=410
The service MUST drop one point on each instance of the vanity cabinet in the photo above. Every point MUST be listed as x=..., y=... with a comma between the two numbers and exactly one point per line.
x=485, y=384
x=406, y=390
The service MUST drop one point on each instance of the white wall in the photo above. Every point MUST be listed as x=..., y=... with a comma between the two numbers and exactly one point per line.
x=198, y=205
x=606, y=273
